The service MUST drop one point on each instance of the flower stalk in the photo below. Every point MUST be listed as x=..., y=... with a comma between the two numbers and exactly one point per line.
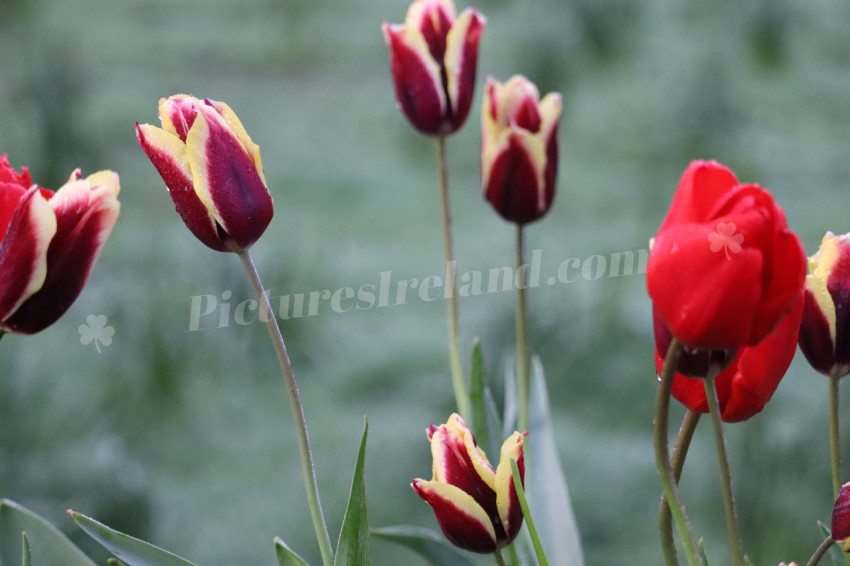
x=662, y=455
x=297, y=410
x=834, y=438
x=455, y=365
x=523, y=367
x=820, y=552
x=732, y=527
x=680, y=452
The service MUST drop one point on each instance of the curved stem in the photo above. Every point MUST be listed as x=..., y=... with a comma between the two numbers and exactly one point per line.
x=461, y=394
x=820, y=552
x=267, y=314
x=662, y=454
x=680, y=452
x=500, y=561
x=521, y=334
x=834, y=444
x=725, y=475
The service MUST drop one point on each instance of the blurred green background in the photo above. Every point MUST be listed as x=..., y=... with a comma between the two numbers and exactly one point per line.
x=185, y=438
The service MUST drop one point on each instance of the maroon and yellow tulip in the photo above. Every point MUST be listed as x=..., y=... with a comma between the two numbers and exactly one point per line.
x=212, y=170
x=825, y=331
x=433, y=57
x=476, y=506
x=841, y=518
x=519, y=148
x=50, y=242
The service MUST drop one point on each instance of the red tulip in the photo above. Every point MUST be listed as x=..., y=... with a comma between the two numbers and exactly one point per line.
x=50, y=243
x=825, y=330
x=519, y=148
x=433, y=58
x=724, y=268
x=841, y=518
x=748, y=383
x=212, y=170
x=476, y=505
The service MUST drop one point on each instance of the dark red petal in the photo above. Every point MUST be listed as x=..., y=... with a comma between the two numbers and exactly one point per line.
x=9, y=175
x=461, y=529
x=466, y=76
x=181, y=188
x=702, y=185
x=815, y=337
x=415, y=88
x=10, y=196
x=182, y=111
x=841, y=514
x=84, y=222
x=435, y=27
x=513, y=187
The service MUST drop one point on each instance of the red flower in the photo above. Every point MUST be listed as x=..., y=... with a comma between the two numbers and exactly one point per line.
x=519, y=148
x=49, y=244
x=433, y=58
x=748, y=383
x=476, y=506
x=841, y=518
x=212, y=170
x=724, y=267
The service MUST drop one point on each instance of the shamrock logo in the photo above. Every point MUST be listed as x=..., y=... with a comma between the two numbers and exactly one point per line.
x=726, y=239
x=96, y=331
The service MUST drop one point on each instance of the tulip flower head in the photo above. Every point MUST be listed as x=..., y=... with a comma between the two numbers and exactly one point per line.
x=724, y=268
x=519, y=148
x=433, y=57
x=212, y=170
x=50, y=242
x=825, y=331
x=841, y=518
x=750, y=380
x=476, y=506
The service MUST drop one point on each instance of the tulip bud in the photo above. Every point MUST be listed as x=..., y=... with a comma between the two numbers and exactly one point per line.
x=50, y=242
x=519, y=148
x=212, y=170
x=841, y=518
x=825, y=331
x=433, y=58
x=475, y=505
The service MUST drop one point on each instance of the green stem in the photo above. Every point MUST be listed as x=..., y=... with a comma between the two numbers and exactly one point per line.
x=820, y=552
x=834, y=444
x=461, y=394
x=725, y=475
x=662, y=453
x=297, y=410
x=680, y=452
x=532, y=530
x=500, y=561
x=522, y=365
x=512, y=555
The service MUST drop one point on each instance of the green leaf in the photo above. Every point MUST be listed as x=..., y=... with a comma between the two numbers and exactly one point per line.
x=48, y=545
x=353, y=547
x=494, y=422
x=286, y=556
x=428, y=544
x=131, y=551
x=509, y=416
x=545, y=482
x=114, y=562
x=701, y=550
x=529, y=521
x=27, y=559
x=476, y=396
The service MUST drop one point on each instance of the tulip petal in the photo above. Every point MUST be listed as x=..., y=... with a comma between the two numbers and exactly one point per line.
x=416, y=77
x=86, y=212
x=23, y=252
x=462, y=519
x=235, y=125
x=168, y=154
x=817, y=331
x=514, y=176
x=460, y=63
x=510, y=512
x=227, y=181
x=460, y=462
x=702, y=184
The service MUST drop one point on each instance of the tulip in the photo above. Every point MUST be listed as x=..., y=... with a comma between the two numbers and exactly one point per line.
x=841, y=518
x=724, y=268
x=825, y=331
x=476, y=506
x=433, y=57
x=519, y=148
x=749, y=381
x=50, y=242
x=212, y=170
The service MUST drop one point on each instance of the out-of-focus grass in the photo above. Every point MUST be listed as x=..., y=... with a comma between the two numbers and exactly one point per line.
x=185, y=438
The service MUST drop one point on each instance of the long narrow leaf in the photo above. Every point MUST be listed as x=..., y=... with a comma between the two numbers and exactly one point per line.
x=286, y=556
x=546, y=484
x=426, y=543
x=131, y=551
x=27, y=558
x=48, y=545
x=476, y=396
x=353, y=547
